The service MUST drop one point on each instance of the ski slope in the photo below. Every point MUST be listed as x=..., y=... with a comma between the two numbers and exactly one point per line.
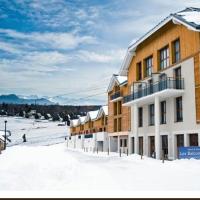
x=38, y=132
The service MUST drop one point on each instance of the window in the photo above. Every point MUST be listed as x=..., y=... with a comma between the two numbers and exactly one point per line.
x=119, y=107
x=119, y=124
x=150, y=86
x=177, y=74
x=179, y=109
x=115, y=108
x=176, y=51
x=139, y=71
x=140, y=117
x=139, y=90
x=106, y=122
x=164, y=57
x=151, y=114
x=163, y=112
x=148, y=66
x=125, y=142
x=193, y=139
x=115, y=125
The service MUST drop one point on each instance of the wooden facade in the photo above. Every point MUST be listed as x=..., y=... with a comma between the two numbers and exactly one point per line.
x=118, y=115
x=164, y=37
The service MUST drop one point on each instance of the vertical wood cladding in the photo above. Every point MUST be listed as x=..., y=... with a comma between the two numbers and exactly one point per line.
x=123, y=112
x=197, y=85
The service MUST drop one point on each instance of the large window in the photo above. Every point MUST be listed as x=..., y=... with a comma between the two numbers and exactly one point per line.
x=139, y=71
x=176, y=51
x=151, y=114
x=140, y=117
x=119, y=107
x=164, y=57
x=163, y=112
x=148, y=66
x=119, y=124
x=179, y=109
x=115, y=108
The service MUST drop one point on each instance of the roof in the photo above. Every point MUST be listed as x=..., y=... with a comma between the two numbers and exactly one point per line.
x=189, y=17
x=74, y=122
x=116, y=79
x=82, y=119
x=91, y=115
x=102, y=110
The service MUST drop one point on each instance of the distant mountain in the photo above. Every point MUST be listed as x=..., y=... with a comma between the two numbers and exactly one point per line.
x=75, y=101
x=32, y=99
x=12, y=98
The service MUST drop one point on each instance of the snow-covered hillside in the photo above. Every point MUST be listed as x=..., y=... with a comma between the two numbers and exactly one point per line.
x=40, y=132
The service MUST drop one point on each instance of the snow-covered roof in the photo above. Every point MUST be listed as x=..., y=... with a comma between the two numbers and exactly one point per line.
x=102, y=111
x=91, y=115
x=82, y=119
x=74, y=122
x=190, y=17
x=116, y=79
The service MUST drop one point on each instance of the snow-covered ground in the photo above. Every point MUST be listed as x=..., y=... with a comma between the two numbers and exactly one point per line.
x=55, y=167
x=38, y=132
x=38, y=166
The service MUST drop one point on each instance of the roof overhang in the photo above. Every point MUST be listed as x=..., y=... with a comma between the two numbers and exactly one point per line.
x=114, y=81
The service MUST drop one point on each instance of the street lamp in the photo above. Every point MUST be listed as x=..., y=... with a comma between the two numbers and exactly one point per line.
x=5, y=135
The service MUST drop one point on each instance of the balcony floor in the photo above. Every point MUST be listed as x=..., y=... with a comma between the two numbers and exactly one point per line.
x=164, y=94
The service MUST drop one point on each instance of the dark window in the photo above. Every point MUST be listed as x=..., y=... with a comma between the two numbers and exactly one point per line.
x=149, y=66
x=176, y=51
x=115, y=125
x=139, y=90
x=180, y=140
x=121, y=142
x=139, y=71
x=193, y=139
x=177, y=74
x=150, y=86
x=115, y=108
x=140, y=117
x=162, y=82
x=179, y=109
x=164, y=58
x=151, y=114
x=163, y=112
x=88, y=136
x=79, y=137
x=119, y=124
x=125, y=142
x=119, y=107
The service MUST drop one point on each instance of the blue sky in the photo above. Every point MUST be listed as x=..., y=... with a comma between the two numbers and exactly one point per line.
x=53, y=47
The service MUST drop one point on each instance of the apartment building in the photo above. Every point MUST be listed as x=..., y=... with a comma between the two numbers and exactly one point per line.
x=163, y=86
x=118, y=116
x=90, y=132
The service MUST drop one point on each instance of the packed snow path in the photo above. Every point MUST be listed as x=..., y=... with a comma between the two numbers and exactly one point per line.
x=57, y=168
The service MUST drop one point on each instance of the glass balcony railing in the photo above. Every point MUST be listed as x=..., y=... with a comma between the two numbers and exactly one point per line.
x=115, y=95
x=168, y=83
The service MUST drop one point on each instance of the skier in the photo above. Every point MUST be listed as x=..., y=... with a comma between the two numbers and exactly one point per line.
x=24, y=138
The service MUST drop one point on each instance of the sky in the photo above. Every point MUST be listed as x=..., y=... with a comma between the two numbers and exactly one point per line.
x=72, y=47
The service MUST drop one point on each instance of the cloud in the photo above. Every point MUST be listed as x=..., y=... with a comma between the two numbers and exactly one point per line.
x=106, y=57
x=51, y=39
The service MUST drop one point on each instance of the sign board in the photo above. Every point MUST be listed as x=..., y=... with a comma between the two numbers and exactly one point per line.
x=189, y=152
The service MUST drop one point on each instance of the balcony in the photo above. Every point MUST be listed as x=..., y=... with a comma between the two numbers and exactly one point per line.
x=116, y=96
x=168, y=87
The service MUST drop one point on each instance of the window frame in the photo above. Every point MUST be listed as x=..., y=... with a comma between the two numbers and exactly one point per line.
x=164, y=57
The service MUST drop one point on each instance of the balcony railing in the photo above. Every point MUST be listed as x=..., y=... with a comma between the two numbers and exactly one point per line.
x=115, y=95
x=168, y=83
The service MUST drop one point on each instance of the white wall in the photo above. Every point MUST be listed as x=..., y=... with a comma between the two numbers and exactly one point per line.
x=189, y=111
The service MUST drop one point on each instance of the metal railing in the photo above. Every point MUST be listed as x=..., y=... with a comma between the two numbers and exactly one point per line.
x=115, y=95
x=168, y=83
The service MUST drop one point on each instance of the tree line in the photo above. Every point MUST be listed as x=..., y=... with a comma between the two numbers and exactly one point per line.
x=57, y=112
